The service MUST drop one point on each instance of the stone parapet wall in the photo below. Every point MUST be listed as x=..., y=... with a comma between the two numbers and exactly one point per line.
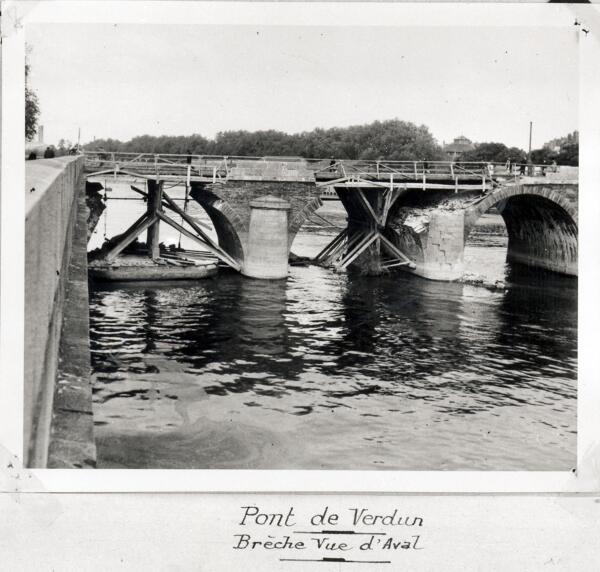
x=51, y=187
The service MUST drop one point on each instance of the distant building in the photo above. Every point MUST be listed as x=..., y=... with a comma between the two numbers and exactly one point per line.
x=460, y=145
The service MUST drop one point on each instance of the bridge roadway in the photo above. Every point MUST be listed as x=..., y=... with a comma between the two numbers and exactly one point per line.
x=414, y=215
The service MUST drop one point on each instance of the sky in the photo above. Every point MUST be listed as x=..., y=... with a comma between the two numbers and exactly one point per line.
x=125, y=80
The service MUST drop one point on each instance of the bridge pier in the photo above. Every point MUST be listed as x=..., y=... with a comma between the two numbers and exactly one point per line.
x=436, y=248
x=267, y=247
x=541, y=222
x=256, y=221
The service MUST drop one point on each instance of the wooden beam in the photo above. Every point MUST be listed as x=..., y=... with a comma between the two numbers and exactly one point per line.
x=367, y=205
x=130, y=235
x=170, y=203
x=143, y=193
x=388, y=200
x=216, y=250
x=352, y=256
x=153, y=207
x=333, y=244
x=391, y=247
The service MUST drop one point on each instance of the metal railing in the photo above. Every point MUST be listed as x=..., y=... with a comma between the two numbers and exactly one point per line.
x=219, y=167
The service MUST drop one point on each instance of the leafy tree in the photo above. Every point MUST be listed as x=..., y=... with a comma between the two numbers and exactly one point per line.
x=495, y=153
x=32, y=108
x=563, y=150
x=392, y=140
x=569, y=155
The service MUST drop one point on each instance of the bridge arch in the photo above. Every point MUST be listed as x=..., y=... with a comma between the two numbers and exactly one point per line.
x=301, y=216
x=230, y=228
x=541, y=222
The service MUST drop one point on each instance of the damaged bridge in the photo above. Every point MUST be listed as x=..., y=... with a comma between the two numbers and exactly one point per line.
x=412, y=215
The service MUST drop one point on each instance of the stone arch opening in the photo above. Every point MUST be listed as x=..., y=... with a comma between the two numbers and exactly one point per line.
x=315, y=226
x=486, y=247
x=541, y=228
x=305, y=224
x=228, y=225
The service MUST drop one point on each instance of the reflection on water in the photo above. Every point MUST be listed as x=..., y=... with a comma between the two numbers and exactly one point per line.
x=335, y=371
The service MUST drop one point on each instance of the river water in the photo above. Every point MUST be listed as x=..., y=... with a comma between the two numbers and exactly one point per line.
x=335, y=371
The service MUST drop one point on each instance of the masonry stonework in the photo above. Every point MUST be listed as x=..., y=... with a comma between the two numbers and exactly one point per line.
x=541, y=222
x=229, y=207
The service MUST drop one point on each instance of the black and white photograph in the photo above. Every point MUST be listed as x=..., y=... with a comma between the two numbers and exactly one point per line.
x=301, y=247
x=299, y=285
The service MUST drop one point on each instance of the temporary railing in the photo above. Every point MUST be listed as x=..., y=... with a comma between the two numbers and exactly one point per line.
x=218, y=168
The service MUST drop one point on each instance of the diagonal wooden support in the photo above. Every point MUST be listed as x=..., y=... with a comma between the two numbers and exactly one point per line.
x=332, y=245
x=336, y=253
x=216, y=250
x=356, y=252
x=394, y=250
x=367, y=205
x=139, y=226
x=170, y=203
x=387, y=203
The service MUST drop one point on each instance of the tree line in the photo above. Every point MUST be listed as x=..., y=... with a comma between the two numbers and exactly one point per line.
x=392, y=140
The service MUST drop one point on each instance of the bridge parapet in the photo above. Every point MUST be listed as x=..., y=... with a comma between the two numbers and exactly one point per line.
x=53, y=189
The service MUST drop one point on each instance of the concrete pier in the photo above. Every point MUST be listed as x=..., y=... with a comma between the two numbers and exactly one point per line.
x=267, y=246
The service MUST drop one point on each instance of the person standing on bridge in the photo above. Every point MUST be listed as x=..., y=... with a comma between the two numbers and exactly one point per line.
x=188, y=159
x=49, y=153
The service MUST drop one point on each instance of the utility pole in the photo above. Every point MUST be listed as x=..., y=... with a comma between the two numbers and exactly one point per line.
x=529, y=167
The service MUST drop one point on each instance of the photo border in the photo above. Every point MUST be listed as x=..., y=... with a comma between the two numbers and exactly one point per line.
x=15, y=18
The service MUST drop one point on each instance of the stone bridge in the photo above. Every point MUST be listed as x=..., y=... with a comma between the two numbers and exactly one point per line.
x=414, y=215
x=422, y=231
x=540, y=218
x=232, y=207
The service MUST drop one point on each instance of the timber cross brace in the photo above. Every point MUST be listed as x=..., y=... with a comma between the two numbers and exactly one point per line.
x=366, y=226
x=157, y=199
